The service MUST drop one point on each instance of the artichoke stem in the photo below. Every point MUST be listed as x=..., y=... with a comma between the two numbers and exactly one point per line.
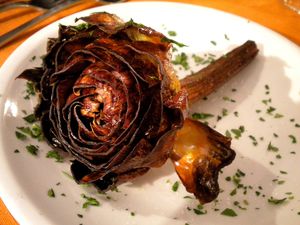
x=209, y=79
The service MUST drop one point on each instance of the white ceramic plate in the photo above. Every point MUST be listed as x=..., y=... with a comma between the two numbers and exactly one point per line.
x=275, y=75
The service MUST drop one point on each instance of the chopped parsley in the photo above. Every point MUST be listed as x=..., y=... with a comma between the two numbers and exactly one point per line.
x=229, y=212
x=55, y=155
x=32, y=58
x=238, y=132
x=175, y=186
x=226, y=98
x=213, y=42
x=89, y=201
x=254, y=141
x=16, y=151
x=30, y=90
x=226, y=37
x=278, y=115
x=32, y=149
x=275, y=201
x=81, y=26
x=182, y=60
x=197, y=59
x=227, y=134
x=30, y=118
x=20, y=136
x=293, y=138
x=202, y=116
x=172, y=33
x=35, y=131
x=270, y=110
x=199, y=210
x=165, y=39
x=272, y=147
x=51, y=193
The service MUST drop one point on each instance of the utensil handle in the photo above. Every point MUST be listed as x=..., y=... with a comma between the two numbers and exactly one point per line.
x=5, y=38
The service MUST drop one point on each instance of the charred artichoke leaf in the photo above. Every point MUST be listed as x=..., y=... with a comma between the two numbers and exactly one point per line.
x=198, y=156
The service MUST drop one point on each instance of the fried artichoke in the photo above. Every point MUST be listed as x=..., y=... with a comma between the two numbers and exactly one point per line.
x=110, y=97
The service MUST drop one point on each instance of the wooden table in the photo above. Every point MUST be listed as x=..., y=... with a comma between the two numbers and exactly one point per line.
x=270, y=13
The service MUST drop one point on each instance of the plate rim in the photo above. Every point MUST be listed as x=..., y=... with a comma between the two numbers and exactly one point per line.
x=11, y=201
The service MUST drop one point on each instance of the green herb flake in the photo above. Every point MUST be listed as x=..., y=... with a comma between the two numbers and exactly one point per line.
x=81, y=26
x=297, y=125
x=197, y=59
x=229, y=212
x=175, y=186
x=213, y=42
x=233, y=192
x=132, y=213
x=36, y=132
x=30, y=118
x=262, y=119
x=165, y=39
x=89, y=201
x=277, y=115
x=16, y=151
x=202, y=116
x=266, y=101
x=188, y=197
x=51, y=193
x=283, y=172
x=20, y=136
x=54, y=155
x=228, y=134
x=30, y=90
x=25, y=130
x=32, y=149
x=172, y=33
x=293, y=138
x=254, y=141
x=226, y=98
x=199, y=210
x=224, y=112
x=80, y=215
x=238, y=132
x=182, y=60
x=275, y=201
x=270, y=110
x=272, y=147
x=226, y=37
x=32, y=58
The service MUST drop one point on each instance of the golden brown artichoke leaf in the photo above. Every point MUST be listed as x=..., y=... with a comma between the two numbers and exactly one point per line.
x=199, y=154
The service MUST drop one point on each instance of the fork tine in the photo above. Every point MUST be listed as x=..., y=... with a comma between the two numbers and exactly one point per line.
x=13, y=5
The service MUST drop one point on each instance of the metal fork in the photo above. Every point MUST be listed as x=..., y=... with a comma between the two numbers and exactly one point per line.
x=38, y=4
x=50, y=7
x=60, y=5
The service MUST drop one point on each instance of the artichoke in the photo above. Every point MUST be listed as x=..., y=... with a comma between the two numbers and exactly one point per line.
x=109, y=96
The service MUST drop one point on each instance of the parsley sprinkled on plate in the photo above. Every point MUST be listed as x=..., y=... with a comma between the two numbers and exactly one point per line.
x=229, y=212
x=89, y=201
x=175, y=186
x=51, y=193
